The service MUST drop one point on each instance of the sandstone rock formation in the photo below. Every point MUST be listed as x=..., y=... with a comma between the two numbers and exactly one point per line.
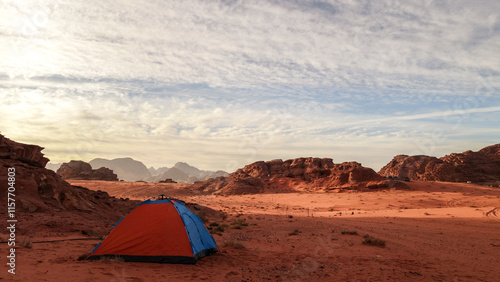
x=168, y=180
x=40, y=192
x=29, y=154
x=82, y=170
x=301, y=174
x=479, y=167
x=127, y=169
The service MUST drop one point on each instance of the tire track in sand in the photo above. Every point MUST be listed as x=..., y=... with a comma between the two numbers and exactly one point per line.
x=493, y=213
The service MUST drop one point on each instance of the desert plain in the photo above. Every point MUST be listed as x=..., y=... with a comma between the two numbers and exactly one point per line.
x=429, y=231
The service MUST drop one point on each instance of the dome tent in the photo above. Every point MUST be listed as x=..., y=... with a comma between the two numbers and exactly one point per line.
x=162, y=231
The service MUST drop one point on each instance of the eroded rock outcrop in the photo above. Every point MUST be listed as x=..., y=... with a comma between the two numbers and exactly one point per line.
x=82, y=170
x=30, y=154
x=40, y=192
x=301, y=174
x=481, y=166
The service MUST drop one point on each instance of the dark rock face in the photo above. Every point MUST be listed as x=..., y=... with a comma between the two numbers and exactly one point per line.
x=40, y=191
x=168, y=180
x=29, y=154
x=304, y=168
x=82, y=170
x=481, y=166
x=301, y=174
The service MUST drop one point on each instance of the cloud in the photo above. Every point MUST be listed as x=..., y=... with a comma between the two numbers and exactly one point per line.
x=243, y=79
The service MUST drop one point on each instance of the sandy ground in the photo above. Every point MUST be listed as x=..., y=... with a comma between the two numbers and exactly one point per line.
x=433, y=232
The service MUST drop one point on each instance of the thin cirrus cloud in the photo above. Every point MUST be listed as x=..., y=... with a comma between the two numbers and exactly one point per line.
x=222, y=83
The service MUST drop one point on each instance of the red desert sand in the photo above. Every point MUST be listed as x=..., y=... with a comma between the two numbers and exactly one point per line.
x=428, y=231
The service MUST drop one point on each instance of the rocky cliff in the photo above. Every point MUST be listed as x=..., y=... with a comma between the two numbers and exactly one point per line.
x=29, y=154
x=82, y=170
x=301, y=174
x=41, y=191
x=479, y=167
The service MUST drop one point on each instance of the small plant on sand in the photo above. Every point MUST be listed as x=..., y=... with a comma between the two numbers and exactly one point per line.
x=295, y=232
x=223, y=216
x=26, y=243
x=217, y=228
x=426, y=213
x=349, y=232
x=99, y=236
x=234, y=244
x=372, y=241
x=82, y=257
x=203, y=216
x=238, y=224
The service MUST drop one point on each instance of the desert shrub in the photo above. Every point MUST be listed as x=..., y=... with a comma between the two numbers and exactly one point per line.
x=295, y=232
x=213, y=224
x=218, y=228
x=26, y=243
x=83, y=257
x=238, y=224
x=349, y=232
x=234, y=244
x=203, y=216
x=372, y=241
x=223, y=216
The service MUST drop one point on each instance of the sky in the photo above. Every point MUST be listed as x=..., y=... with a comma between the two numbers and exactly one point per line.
x=221, y=84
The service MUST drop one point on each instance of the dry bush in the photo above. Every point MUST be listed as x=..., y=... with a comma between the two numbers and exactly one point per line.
x=203, y=216
x=235, y=244
x=372, y=241
x=349, y=232
x=109, y=259
x=26, y=243
x=238, y=224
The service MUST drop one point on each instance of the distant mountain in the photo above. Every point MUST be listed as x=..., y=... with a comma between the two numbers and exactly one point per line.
x=174, y=174
x=184, y=173
x=52, y=166
x=127, y=169
x=187, y=169
x=160, y=170
x=197, y=174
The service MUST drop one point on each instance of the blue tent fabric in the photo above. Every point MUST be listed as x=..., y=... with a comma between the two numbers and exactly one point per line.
x=200, y=239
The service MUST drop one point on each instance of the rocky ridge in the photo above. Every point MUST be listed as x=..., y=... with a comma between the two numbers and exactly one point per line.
x=479, y=167
x=83, y=171
x=301, y=174
x=40, y=192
